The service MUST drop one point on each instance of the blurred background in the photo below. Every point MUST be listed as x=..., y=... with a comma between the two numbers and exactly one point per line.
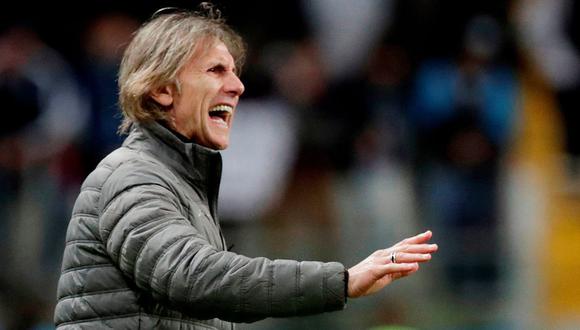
x=363, y=122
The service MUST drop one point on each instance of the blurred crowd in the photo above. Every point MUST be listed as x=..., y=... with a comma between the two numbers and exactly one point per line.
x=362, y=122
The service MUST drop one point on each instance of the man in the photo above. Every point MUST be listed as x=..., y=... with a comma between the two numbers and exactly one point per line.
x=144, y=248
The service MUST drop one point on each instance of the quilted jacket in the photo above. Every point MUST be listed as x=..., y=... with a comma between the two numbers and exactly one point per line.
x=144, y=249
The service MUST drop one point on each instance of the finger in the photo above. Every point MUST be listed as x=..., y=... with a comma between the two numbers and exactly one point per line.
x=417, y=248
x=399, y=275
x=393, y=268
x=417, y=239
x=405, y=253
x=403, y=257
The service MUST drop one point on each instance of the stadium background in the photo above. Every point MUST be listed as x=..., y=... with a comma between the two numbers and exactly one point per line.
x=362, y=122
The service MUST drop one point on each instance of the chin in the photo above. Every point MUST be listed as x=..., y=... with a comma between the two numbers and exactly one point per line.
x=221, y=145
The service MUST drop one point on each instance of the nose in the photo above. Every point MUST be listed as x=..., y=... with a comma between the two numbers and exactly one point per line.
x=234, y=85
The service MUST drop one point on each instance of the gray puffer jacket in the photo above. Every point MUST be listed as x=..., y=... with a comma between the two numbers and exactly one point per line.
x=144, y=249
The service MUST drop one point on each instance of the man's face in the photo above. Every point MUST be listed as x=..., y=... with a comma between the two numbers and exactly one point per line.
x=210, y=90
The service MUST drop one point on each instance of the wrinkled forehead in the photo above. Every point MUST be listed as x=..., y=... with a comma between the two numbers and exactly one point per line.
x=210, y=46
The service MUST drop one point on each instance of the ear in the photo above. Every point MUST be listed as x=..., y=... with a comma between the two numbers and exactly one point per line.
x=163, y=95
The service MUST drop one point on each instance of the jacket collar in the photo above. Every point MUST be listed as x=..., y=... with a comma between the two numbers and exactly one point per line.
x=200, y=165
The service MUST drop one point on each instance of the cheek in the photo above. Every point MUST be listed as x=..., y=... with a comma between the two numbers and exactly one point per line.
x=190, y=107
x=197, y=97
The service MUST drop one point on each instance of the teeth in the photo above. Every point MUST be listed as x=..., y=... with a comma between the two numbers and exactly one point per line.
x=222, y=107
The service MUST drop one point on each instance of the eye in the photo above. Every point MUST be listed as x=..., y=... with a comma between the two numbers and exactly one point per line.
x=217, y=69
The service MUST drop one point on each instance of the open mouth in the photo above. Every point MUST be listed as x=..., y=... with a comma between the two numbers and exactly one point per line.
x=220, y=114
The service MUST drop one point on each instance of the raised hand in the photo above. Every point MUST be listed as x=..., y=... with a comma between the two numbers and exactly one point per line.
x=384, y=266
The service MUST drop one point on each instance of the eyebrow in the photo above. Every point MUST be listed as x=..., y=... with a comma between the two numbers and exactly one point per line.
x=222, y=63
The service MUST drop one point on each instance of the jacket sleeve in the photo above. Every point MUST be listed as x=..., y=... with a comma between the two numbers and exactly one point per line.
x=158, y=249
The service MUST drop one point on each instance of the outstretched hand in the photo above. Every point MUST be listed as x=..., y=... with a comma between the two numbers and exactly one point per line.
x=378, y=270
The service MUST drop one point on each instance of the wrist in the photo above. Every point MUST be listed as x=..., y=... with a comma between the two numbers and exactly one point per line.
x=346, y=278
